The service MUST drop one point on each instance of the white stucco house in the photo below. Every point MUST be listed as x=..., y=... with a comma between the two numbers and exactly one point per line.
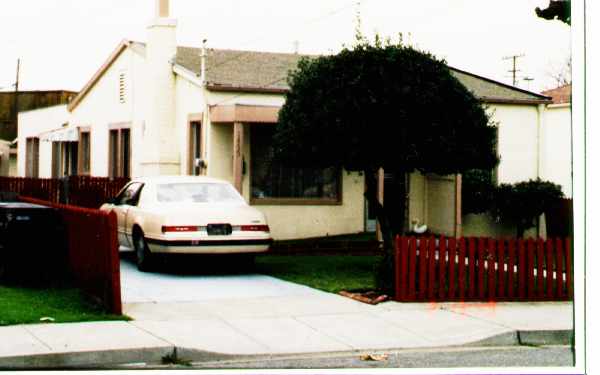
x=158, y=108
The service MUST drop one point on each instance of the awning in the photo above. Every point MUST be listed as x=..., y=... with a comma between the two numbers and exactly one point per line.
x=60, y=135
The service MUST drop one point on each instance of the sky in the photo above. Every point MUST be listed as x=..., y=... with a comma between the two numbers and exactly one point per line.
x=61, y=43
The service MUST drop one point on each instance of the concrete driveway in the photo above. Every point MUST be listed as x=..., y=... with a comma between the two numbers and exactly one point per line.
x=167, y=284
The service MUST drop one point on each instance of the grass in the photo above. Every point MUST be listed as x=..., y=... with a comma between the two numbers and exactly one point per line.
x=355, y=237
x=331, y=273
x=22, y=305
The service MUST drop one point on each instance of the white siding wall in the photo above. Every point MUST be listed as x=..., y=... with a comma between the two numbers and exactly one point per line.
x=102, y=107
x=189, y=99
x=33, y=124
x=517, y=141
x=557, y=152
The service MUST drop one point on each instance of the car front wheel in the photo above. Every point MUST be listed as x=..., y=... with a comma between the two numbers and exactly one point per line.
x=142, y=252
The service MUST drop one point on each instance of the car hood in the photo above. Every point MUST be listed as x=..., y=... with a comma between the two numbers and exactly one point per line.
x=202, y=214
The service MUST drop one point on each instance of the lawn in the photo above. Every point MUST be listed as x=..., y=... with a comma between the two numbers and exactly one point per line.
x=331, y=273
x=21, y=305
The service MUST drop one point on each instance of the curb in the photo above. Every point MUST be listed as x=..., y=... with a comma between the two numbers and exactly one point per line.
x=107, y=358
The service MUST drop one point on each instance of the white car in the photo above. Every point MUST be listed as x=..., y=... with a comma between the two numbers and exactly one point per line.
x=186, y=214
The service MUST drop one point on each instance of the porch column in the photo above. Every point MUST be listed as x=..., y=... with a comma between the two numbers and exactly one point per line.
x=458, y=206
x=238, y=147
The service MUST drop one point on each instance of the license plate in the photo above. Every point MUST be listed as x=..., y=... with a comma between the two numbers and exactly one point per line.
x=218, y=229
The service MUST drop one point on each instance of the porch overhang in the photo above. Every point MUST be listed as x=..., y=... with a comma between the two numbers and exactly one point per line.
x=60, y=135
x=242, y=113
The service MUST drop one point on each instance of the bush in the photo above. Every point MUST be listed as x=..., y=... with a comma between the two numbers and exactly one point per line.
x=522, y=203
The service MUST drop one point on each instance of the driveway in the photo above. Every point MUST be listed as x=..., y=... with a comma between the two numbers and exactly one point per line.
x=169, y=285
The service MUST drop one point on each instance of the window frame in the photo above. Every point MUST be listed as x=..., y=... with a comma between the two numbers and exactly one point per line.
x=32, y=157
x=195, y=127
x=116, y=168
x=290, y=201
x=81, y=152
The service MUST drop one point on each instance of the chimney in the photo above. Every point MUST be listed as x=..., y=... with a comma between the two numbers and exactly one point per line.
x=160, y=154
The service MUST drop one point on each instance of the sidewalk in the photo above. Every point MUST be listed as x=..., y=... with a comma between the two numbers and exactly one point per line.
x=319, y=323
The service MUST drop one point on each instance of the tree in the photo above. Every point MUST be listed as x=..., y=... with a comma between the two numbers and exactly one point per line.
x=382, y=106
x=522, y=203
x=556, y=9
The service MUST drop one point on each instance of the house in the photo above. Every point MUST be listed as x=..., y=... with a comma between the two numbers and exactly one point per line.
x=157, y=108
x=557, y=135
x=11, y=103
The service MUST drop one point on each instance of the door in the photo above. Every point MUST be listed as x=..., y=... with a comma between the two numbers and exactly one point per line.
x=123, y=203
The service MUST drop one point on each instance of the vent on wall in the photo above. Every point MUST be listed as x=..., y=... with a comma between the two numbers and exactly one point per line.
x=122, y=87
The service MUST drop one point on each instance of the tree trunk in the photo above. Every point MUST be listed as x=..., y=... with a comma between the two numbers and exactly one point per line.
x=384, y=272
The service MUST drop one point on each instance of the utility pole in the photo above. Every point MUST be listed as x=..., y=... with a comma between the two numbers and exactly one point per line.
x=16, y=99
x=514, y=69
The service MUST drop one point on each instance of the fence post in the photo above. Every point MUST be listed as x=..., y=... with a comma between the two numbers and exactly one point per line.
x=461, y=268
x=549, y=269
x=442, y=270
x=398, y=272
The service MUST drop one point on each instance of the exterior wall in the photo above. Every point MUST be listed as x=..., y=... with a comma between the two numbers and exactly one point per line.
x=441, y=204
x=101, y=107
x=320, y=220
x=32, y=124
x=4, y=158
x=517, y=141
x=189, y=99
x=432, y=201
x=556, y=152
x=292, y=222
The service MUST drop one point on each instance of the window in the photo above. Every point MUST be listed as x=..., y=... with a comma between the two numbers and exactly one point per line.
x=197, y=193
x=272, y=183
x=195, y=148
x=69, y=158
x=32, y=157
x=84, y=153
x=119, y=153
x=130, y=194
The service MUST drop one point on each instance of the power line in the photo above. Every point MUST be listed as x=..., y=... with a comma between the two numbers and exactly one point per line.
x=264, y=36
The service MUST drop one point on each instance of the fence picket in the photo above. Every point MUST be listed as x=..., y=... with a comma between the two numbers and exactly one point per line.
x=540, y=270
x=491, y=265
x=442, y=268
x=472, y=268
x=481, y=268
x=451, y=268
x=530, y=269
x=560, y=282
x=431, y=269
x=501, y=271
x=549, y=269
x=412, y=269
x=422, y=268
x=461, y=269
x=569, y=268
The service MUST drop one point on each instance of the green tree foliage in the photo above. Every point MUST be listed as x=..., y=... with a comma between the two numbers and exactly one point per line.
x=522, y=203
x=477, y=191
x=556, y=9
x=382, y=105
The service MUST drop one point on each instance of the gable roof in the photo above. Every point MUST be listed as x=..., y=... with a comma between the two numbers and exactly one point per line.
x=253, y=71
x=233, y=70
x=560, y=95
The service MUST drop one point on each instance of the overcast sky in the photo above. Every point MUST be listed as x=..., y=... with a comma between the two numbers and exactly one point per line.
x=62, y=43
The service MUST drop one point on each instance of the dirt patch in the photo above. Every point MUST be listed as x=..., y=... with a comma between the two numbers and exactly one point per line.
x=370, y=297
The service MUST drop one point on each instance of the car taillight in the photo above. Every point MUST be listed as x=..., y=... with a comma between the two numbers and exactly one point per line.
x=255, y=228
x=179, y=228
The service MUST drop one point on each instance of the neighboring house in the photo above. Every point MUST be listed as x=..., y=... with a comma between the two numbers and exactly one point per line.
x=11, y=103
x=155, y=108
x=557, y=152
x=4, y=157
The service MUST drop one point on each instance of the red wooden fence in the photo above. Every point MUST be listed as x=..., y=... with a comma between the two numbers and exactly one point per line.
x=92, y=192
x=483, y=269
x=84, y=191
x=93, y=252
x=41, y=188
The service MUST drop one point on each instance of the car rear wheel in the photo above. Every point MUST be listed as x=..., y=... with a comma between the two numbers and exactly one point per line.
x=142, y=252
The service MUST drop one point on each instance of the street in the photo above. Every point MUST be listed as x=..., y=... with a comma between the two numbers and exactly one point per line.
x=513, y=356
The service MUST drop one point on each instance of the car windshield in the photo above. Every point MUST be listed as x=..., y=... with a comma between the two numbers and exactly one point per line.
x=197, y=193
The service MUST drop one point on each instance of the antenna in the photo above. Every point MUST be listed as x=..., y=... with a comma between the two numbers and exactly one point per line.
x=514, y=69
x=528, y=79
